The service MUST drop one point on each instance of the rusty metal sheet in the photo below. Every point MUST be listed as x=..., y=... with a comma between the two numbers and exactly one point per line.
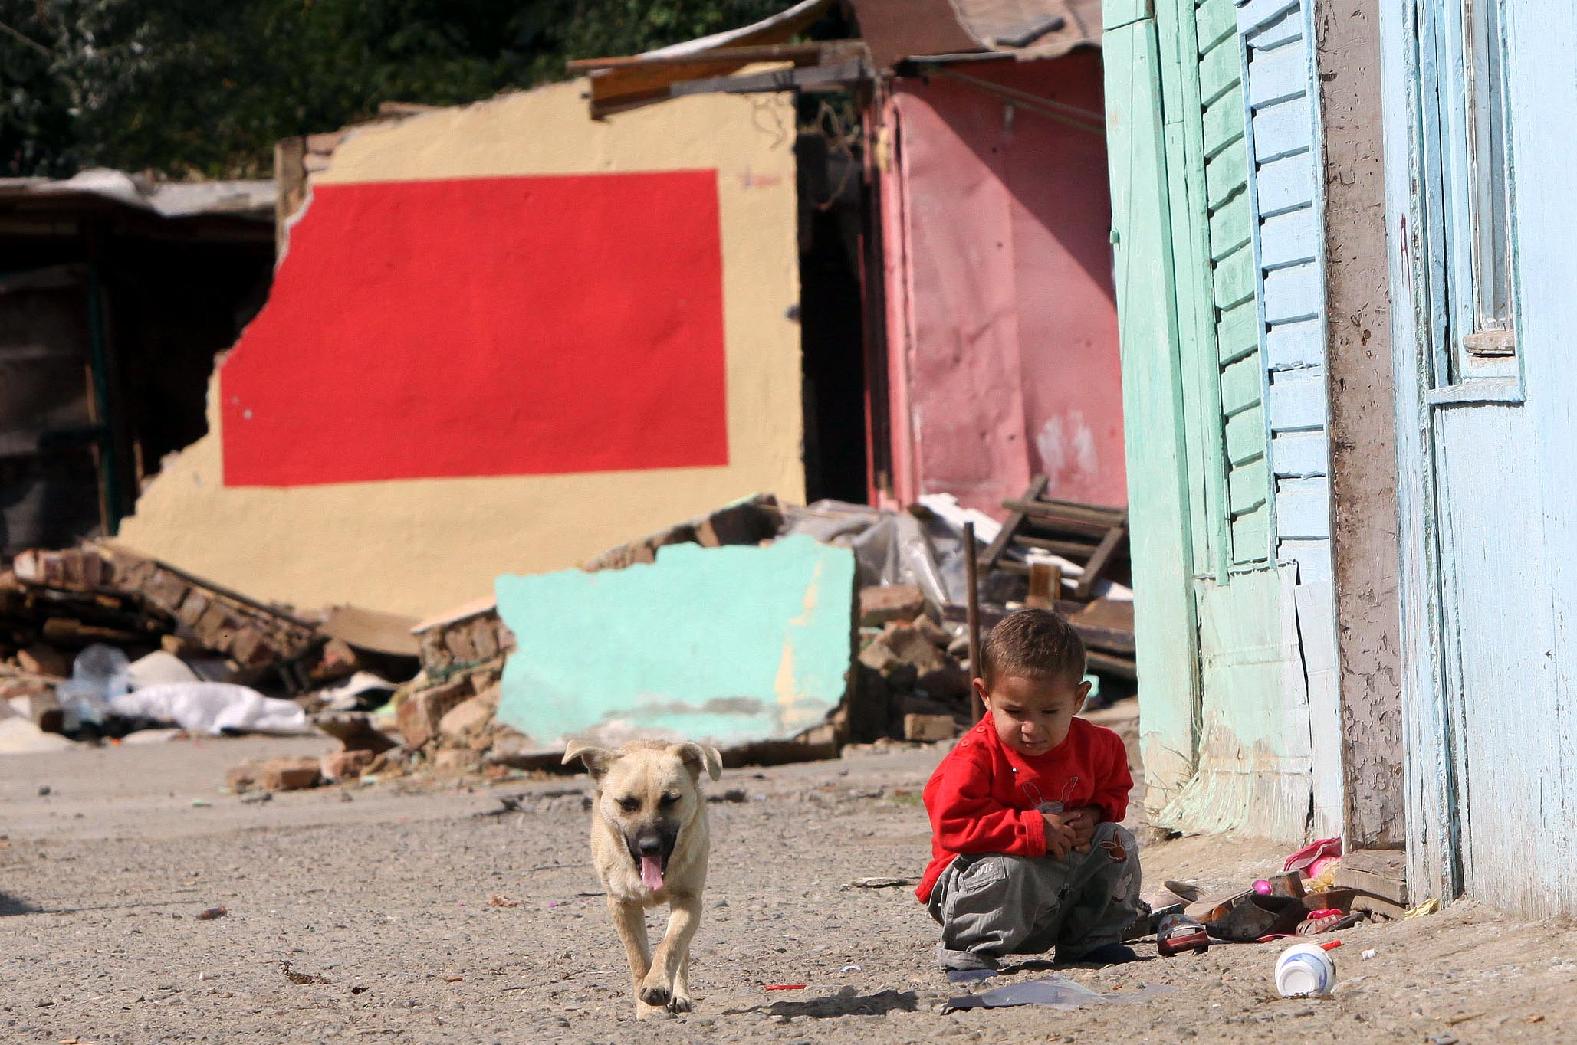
x=896, y=30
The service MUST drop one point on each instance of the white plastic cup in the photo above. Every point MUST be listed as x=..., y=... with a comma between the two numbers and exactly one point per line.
x=1304, y=970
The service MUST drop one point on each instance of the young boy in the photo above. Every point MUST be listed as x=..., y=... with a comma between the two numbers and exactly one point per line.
x=1027, y=853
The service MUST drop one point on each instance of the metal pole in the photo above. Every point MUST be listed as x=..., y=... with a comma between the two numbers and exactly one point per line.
x=971, y=572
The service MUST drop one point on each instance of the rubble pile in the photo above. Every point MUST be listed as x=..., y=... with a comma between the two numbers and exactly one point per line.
x=911, y=671
x=402, y=697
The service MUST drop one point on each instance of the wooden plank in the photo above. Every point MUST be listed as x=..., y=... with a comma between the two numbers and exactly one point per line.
x=1215, y=21
x=1220, y=70
x=1312, y=556
x=1275, y=76
x=1292, y=294
x=1230, y=227
x=1300, y=454
x=1070, y=511
x=1237, y=332
x=1223, y=124
x=1248, y=485
x=1283, y=129
x=1119, y=14
x=1251, y=536
x=993, y=552
x=1256, y=13
x=1289, y=239
x=1284, y=185
x=1106, y=664
x=1297, y=399
x=1298, y=344
x=1234, y=278
x=1276, y=33
x=1077, y=551
x=1246, y=436
x=1303, y=508
x=1152, y=294
x=1105, y=552
x=1240, y=386
x=1226, y=174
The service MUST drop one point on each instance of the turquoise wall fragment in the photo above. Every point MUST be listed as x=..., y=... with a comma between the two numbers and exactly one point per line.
x=728, y=644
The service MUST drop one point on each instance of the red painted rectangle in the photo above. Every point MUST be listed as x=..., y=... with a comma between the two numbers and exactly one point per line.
x=486, y=326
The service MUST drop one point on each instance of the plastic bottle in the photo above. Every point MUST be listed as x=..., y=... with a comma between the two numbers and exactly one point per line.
x=1305, y=970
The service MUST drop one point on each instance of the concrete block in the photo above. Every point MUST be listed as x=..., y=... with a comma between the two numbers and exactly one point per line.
x=731, y=644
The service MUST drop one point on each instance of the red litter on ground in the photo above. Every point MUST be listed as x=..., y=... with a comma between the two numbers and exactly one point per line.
x=784, y=986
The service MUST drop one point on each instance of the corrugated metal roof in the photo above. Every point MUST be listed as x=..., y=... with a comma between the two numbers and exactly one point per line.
x=240, y=199
x=896, y=30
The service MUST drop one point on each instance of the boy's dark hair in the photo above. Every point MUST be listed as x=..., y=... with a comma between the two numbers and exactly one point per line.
x=1032, y=644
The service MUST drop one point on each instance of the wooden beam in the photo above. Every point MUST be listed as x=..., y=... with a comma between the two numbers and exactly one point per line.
x=1104, y=553
x=988, y=558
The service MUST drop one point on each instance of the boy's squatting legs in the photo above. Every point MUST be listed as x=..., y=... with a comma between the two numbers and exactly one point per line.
x=992, y=904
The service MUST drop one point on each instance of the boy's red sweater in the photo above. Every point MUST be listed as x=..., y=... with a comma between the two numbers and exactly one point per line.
x=984, y=797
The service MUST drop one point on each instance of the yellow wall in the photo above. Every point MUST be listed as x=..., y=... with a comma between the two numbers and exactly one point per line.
x=421, y=546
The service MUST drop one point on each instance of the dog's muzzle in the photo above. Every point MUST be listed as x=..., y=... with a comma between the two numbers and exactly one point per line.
x=650, y=847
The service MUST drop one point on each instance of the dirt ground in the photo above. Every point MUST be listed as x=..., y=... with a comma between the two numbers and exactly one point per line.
x=382, y=895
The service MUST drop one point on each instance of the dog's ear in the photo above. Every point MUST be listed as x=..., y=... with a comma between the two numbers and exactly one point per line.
x=697, y=757
x=595, y=759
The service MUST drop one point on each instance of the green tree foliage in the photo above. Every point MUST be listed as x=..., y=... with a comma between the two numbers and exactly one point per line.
x=205, y=87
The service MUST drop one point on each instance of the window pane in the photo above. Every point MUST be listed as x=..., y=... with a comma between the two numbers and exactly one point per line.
x=1490, y=200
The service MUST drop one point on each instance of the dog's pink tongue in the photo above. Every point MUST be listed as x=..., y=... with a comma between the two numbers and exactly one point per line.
x=651, y=872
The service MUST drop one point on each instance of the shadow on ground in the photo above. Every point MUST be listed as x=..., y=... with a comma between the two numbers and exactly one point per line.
x=14, y=905
x=845, y=1003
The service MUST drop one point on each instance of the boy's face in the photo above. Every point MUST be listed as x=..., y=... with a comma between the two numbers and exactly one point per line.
x=1032, y=715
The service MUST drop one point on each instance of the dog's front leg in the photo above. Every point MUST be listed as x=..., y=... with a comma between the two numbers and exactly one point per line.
x=659, y=987
x=630, y=921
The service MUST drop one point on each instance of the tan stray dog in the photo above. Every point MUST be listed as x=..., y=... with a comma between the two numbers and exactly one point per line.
x=649, y=843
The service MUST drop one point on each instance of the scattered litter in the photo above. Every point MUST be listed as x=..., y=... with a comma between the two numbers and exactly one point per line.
x=880, y=883
x=1442, y=1039
x=969, y=975
x=1452, y=1021
x=1370, y=953
x=1057, y=992
x=1178, y=933
x=784, y=986
x=201, y=803
x=213, y=912
x=212, y=707
x=851, y=967
x=1306, y=970
x=499, y=900
x=302, y=977
x=1428, y=907
x=1315, y=857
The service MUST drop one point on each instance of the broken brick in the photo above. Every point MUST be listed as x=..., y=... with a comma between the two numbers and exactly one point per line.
x=469, y=717
x=345, y=765
x=421, y=711
x=891, y=602
x=929, y=728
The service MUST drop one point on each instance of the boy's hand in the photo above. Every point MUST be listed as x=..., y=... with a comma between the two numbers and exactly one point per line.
x=1083, y=821
x=1060, y=837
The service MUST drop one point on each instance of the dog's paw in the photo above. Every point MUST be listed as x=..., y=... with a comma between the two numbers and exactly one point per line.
x=644, y=1011
x=679, y=1003
x=655, y=994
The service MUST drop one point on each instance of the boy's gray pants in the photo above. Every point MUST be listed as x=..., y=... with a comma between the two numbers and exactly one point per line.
x=991, y=904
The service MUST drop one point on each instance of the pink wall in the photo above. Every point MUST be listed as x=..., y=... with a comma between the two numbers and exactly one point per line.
x=1002, y=323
